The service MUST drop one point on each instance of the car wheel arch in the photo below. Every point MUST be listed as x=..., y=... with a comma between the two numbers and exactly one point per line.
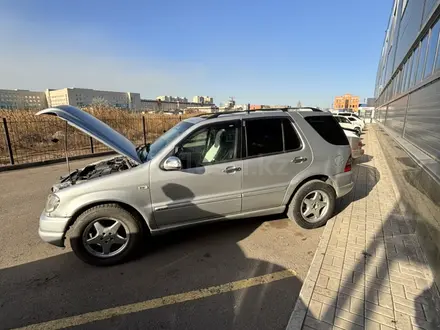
x=138, y=215
x=320, y=177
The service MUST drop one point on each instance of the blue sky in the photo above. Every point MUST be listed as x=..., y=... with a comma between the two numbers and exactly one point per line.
x=261, y=52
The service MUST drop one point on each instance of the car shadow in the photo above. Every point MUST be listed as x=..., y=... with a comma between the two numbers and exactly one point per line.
x=367, y=172
x=377, y=270
x=184, y=261
x=364, y=159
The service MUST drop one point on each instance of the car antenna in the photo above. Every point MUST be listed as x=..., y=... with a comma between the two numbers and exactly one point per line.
x=65, y=150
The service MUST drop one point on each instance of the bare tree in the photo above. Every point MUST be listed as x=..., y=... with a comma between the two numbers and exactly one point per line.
x=100, y=102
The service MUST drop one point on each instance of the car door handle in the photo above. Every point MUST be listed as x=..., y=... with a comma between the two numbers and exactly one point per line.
x=231, y=169
x=298, y=160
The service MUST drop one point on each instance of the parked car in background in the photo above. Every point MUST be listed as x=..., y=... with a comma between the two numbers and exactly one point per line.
x=204, y=169
x=347, y=124
x=353, y=117
x=355, y=144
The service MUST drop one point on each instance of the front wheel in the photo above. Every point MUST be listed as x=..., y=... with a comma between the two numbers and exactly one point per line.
x=312, y=205
x=105, y=235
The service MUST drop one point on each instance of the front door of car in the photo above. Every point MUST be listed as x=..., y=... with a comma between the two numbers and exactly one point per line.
x=273, y=154
x=209, y=183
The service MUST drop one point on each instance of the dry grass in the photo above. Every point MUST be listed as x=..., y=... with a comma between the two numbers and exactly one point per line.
x=34, y=138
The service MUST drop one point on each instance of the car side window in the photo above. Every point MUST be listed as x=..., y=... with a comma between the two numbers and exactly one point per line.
x=352, y=119
x=209, y=145
x=265, y=136
x=291, y=139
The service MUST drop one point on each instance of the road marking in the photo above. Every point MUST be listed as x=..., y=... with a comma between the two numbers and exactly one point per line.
x=160, y=302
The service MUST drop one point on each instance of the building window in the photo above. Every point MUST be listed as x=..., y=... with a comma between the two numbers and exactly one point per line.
x=422, y=59
x=432, y=50
x=414, y=67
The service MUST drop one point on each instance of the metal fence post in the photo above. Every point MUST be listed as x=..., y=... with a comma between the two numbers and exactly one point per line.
x=92, y=149
x=144, y=129
x=8, y=142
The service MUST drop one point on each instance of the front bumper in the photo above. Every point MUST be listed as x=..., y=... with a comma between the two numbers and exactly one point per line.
x=52, y=230
x=343, y=183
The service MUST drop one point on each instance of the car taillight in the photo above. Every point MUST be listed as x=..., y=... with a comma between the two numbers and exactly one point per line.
x=347, y=167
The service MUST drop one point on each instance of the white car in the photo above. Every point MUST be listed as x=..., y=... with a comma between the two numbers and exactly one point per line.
x=347, y=124
x=354, y=118
x=355, y=144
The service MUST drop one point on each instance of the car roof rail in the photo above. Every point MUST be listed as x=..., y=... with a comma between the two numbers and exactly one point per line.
x=310, y=108
x=217, y=114
x=285, y=109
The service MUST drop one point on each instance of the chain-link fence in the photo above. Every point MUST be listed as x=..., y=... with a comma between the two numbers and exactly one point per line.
x=32, y=141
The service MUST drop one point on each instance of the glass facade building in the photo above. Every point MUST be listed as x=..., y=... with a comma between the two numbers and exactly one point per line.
x=408, y=79
x=407, y=105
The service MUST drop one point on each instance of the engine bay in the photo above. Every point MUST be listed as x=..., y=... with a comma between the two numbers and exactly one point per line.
x=93, y=171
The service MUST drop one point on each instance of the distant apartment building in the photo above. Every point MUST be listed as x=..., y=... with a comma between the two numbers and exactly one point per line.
x=158, y=105
x=172, y=99
x=347, y=101
x=82, y=97
x=22, y=99
x=203, y=99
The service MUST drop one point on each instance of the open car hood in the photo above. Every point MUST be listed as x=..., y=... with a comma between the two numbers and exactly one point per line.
x=94, y=128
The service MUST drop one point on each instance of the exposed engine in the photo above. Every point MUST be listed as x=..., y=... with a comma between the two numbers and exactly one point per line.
x=93, y=171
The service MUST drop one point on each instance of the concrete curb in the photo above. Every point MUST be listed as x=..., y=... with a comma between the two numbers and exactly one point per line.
x=302, y=303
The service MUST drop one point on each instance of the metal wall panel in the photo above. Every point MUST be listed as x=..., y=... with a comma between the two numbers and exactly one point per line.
x=423, y=119
x=396, y=115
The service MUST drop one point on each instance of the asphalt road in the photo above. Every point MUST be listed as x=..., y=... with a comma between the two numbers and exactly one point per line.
x=40, y=283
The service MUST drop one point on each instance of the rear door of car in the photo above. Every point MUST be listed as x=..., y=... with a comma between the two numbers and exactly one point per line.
x=273, y=154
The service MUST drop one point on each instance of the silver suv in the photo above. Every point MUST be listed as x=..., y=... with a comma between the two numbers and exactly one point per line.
x=204, y=169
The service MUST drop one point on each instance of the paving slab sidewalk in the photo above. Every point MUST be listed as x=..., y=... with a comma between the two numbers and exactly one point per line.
x=369, y=271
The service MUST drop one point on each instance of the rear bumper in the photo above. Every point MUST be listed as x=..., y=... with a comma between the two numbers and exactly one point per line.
x=343, y=183
x=52, y=230
x=356, y=153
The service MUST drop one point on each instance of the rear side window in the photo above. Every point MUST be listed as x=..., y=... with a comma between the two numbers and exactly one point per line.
x=291, y=139
x=351, y=119
x=269, y=136
x=329, y=129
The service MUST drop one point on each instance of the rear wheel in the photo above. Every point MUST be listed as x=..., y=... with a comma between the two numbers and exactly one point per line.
x=312, y=205
x=105, y=235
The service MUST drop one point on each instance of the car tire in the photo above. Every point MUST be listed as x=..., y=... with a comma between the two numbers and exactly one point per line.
x=109, y=247
x=298, y=207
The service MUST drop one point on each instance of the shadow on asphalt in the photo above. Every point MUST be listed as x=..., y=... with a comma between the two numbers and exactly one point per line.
x=177, y=262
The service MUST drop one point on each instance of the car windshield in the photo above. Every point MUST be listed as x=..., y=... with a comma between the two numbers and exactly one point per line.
x=148, y=152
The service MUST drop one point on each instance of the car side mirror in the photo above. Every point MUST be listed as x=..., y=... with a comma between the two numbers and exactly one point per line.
x=172, y=163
